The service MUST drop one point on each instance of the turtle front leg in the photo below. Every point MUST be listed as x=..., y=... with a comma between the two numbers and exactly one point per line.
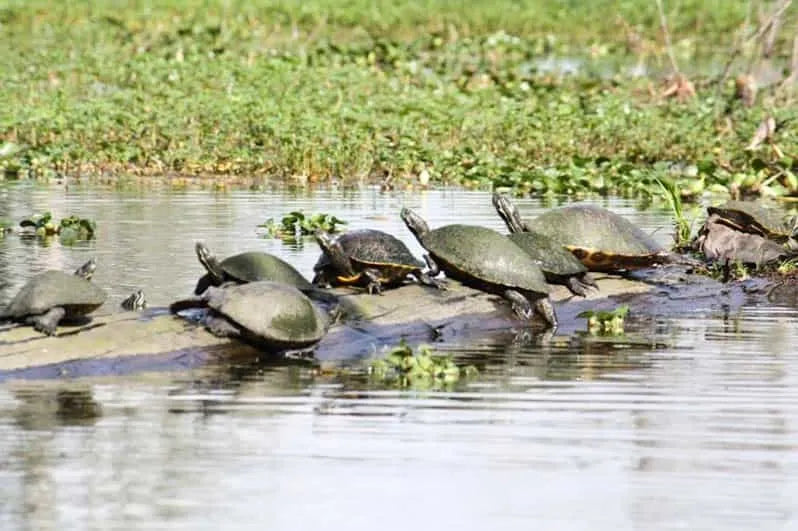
x=546, y=310
x=374, y=283
x=432, y=268
x=47, y=323
x=579, y=286
x=519, y=303
x=221, y=327
x=427, y=280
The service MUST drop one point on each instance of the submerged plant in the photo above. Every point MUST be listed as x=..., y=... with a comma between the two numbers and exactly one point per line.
x=297, y=224
x=606, y=322
x=423, y=368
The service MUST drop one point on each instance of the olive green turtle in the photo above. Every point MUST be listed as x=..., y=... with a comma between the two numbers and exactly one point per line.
x=486, y=260
x=558, y=264
x=367, y=257
x=253, y=266
x=268, y=315
x=54, y=296
x=601, y=239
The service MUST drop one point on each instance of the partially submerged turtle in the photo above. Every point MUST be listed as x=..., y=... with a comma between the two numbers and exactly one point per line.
x=54, y=296
x=724, y=244
x=367, y=257
x=558, y=264
x=753, y=218
x=601, y=239
x=265, y=314
x=252, y=266
x=486, y=260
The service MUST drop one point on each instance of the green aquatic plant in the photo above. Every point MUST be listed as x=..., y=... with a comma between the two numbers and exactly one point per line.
x=423, y=368
x=69, y=229
x=683, y=227
x=606, y=322
x=297, y=224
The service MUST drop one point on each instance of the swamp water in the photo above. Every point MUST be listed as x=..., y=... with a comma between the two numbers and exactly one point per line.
x=699, y=433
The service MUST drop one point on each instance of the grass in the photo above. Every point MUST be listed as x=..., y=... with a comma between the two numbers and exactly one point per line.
x=362, y=90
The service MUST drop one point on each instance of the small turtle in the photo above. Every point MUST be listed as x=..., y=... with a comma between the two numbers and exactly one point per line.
x=53, y=296
x=135, y=301
x=558, y=264
x=367, y=257
x=750, y=217
x=253, y=266
x=601, y=239
x=265, y=314
x=485, y=260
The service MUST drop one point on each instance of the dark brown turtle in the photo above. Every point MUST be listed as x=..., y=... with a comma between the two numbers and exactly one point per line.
x=53, y=296
x=367, y=257
x=268, y=315
x=753, y=218
x=486, y=260
x=601, y=239
x=558, y=264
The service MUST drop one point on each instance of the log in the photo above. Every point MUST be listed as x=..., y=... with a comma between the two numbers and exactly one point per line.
x=128, y=342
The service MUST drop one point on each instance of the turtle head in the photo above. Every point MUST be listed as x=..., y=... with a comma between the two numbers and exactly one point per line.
x=334, y=251
x=415, y=223
x=87, y=269
x=508, y=212
x=209, y=262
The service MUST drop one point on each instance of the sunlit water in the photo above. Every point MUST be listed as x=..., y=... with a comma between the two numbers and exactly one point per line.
x=701, y=434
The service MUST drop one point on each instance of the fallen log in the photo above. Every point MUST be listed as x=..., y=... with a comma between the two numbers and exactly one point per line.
x=156, y=340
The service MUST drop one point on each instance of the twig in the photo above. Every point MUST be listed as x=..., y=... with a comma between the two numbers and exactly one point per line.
x=668, y=47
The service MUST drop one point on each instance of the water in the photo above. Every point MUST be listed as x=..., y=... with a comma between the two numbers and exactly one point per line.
x=700, y=434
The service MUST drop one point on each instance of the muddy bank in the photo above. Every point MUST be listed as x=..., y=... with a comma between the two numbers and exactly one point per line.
x=155, y=340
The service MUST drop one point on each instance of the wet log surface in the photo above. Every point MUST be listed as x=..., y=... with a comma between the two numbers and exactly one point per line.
x=153, y=340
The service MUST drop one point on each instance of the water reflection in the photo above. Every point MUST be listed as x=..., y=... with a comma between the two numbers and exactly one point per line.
x=693, y=428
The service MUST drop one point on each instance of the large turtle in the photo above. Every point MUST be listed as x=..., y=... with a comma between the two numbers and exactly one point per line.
x=601, y=239
x=54, y=296
x=367, y=257
x=253, y=266
x=558, y=264
x=486, y=260
x=753, y=218
x=265, y=314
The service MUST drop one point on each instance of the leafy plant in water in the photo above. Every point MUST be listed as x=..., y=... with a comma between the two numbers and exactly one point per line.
x=674, y=199
x=421, y=369
x=69, y=229
x=606, y=322
x=296, y=225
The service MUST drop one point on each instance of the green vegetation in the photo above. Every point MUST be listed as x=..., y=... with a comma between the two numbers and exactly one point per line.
x=472, y=93
x=421, y=369
x=606, y=322
x=69, y=229
x=296, y=224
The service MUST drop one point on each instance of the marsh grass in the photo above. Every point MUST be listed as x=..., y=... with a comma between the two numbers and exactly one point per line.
x=469, y=93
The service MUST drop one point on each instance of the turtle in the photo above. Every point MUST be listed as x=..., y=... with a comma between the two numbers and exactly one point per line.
x=753, y=218
x=252, y=266
x=721, y=243
x=266, y=314
x=601, y=239
x=486, y=260
x=53, y=296
x=371, y=257
x=559, y=266
x=135, y=301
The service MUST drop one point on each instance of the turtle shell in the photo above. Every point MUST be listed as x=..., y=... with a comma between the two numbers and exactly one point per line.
x=601, y=239
x=50, y=289
x=376, y=250
x=751, y=217
x=254, y=266
x=470, y=253
x=274, y=313
x=552, y=257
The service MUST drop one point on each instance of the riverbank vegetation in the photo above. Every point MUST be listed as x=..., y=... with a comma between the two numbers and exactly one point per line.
x=545, y=97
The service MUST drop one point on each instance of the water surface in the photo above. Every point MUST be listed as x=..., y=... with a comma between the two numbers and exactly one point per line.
x=698, y=434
